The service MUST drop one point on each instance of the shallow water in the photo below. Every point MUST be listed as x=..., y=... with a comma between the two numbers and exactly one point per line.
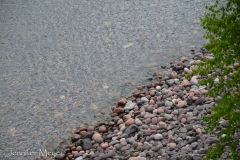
x=63, y=61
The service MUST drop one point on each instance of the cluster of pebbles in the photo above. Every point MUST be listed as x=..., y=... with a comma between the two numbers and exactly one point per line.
x=161, y=120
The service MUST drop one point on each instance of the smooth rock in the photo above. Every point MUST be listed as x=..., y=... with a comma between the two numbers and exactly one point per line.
x=158, y=136
x=129, y=105
x=131, y=129
x=144, y=99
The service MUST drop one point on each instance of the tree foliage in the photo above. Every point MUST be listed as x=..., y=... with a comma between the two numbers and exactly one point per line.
x=222, y=25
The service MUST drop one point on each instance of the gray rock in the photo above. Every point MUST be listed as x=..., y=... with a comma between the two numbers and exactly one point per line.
x=170, y=82
x=168, y=117
x=194, y=81
x=125, y=147
x=109, y=154
x=113, y=142
x=158, y=136
x=86, y=144
x=129, y=105
x=168, y=104
x=144, y=99
x=131, y=129
x=79, y=158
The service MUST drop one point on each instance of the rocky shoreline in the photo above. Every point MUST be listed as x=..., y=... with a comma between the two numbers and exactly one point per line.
x=161, y=120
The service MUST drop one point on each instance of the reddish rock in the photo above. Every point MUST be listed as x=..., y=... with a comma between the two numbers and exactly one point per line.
x=148, y=96
x=122, y=102
x=151, y=102
x=129, y=122
x=186, y=83
x=104, y=145
x=118, y=110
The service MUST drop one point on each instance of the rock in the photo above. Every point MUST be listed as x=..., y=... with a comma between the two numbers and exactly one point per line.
x=87, y=144
x=88, y=135
x=216, y=81
x=170, y=82
x=168, y=117
x=138, y=122
x=186, y=70
x=194, y=81
x=186, y=83
x=109, y=154
x=75, y=137
x=189, y=100
x=158, y=88
x=158, y=136
x=129, y=122
x=79, y=158
x=102, y=128
x=131, y=129
x=181, y=104
x=183, y=59
x=171, y=126
x=125, y=147
x=98, y=139
x=168, y=104
x=174, y=75
x=172, y=145
x=118, y=110
x=104, y=145
x=122, y=102
x=130, y=105
x=144, y=99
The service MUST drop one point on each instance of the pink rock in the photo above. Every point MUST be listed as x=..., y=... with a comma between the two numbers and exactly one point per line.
x=129, y=122
x=147, y=121
x=104, y=145
x=75, y=137
x=160, y=119
x=120, y=121
x=126, y=117
x=194, y=98
x=181, y=104
x=154, y=120
x=183, y=120
x=171, y=126
x=132, y=158
x=174, y=75
x=154, y=127
x=102, y=128
x=148, y=115
x=98, y=139
x=198, y=130
x=96, y=134
x=74, y=153
x=151, y=102
x=160, y=110
x=172, y=145
x=155, y=111
x=186, y=83
x=162, y=123
x=197, y=92
x=142, y=114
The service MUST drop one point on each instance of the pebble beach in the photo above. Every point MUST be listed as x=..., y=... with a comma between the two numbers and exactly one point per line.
x=161, y=120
